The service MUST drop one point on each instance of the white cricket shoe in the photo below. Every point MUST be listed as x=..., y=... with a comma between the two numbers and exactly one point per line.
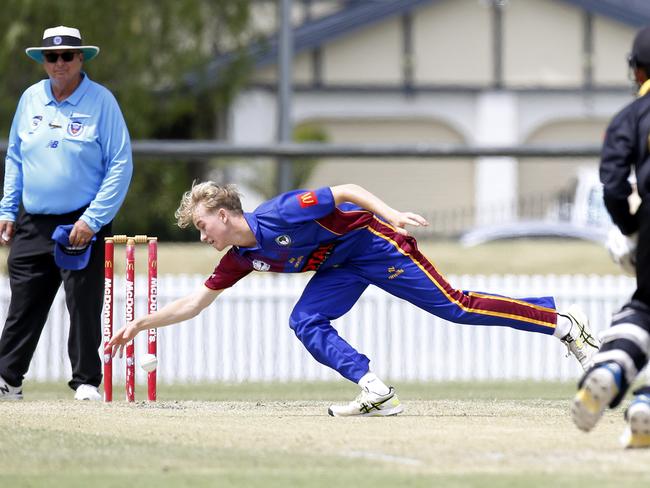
x=87, y=392
x=598, y=390
x=637, y=415
x=8, y=392
x=580, y=341
x=369, y=404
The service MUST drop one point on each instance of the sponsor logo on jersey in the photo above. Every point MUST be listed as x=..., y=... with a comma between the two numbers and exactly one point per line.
x=75, y=128
x=260, y=265
x=36, y=121
x=296, y=262
x=307, y=199
x=283, y=240
x=318, y=257
x=394, y=272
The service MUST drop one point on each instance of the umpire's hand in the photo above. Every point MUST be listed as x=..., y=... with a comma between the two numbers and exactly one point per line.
x=6, y=232
x=80, y=234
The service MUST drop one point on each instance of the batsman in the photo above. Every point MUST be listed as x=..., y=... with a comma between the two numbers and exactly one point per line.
x=626, y=344
x=349, y=239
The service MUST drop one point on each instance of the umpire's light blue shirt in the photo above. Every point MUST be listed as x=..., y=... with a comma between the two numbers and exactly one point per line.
x=65, y=156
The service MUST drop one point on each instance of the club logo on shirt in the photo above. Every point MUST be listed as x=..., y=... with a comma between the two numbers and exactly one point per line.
x=75, y=128
x=307, y=199
x=36, y=121
x=283, y=240
x=260, y=265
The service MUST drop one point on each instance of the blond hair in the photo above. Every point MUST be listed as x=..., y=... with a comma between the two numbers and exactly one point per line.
x=212, y=196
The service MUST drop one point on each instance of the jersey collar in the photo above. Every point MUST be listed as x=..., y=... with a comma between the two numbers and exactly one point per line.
x=251, y=219
x=644, y=89
x=73, y=99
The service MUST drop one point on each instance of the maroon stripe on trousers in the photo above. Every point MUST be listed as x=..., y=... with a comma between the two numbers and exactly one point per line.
x=481, y=303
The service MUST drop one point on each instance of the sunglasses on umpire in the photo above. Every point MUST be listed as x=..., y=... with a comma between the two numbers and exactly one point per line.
x=66, y=56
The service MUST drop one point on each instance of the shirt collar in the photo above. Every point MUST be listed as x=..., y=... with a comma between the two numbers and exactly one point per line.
x=251, y=219
x=73, y=99
x=644, y=89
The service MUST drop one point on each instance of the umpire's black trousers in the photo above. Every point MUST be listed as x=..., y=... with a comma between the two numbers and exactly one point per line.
x=35, y=278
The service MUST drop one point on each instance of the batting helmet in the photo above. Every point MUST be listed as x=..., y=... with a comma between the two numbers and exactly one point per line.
x=640, y=55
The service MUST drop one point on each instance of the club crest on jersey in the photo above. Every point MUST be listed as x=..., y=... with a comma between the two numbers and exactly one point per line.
x=36, y=121
x=283, y=240
x=75, y=128
x=307, y=199
x=260, y=265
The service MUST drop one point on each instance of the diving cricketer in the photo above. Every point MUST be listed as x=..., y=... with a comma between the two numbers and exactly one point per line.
x=350, y=239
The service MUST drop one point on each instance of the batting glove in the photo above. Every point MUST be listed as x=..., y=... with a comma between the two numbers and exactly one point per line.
x=622, y=249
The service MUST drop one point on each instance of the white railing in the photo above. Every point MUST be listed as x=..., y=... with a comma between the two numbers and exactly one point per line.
x=244, y=335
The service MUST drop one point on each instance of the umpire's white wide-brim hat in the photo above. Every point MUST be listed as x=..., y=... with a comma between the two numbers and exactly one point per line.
x=61, y=37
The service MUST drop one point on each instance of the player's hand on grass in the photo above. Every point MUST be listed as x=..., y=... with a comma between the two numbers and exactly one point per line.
x=121, y=338
x=402, y=219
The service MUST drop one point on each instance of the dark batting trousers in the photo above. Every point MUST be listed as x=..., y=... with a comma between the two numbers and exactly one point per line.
x=642, y=292
x=34, y=279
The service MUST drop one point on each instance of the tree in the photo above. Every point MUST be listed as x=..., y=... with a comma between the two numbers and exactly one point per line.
x=148, y=50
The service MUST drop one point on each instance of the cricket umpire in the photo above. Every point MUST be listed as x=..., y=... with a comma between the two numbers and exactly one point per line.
x=67, y=171
x=626, y=345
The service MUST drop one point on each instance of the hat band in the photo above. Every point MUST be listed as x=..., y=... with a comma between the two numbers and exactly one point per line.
x=73, y=251
x=61, y=41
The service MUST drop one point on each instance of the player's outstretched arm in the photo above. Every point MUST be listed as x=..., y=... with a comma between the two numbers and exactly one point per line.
x=363, y=198
x=179, y=310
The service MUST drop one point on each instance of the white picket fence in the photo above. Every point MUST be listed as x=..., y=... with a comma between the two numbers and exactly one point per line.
x=244, y=335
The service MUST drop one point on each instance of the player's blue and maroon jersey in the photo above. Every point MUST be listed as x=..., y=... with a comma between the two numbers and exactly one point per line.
x=296, y=232
x=351, y=248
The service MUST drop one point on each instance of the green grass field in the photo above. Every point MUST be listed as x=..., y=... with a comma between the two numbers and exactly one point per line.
x=269, y=435
x=450, y=435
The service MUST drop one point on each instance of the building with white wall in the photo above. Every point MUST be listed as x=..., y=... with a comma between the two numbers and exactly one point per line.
x=489, y=72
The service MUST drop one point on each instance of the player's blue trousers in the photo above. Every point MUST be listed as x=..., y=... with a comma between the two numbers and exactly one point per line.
x=393, y=263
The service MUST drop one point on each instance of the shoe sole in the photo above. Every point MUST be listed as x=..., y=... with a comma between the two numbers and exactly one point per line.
x=11, y=398
x=637, y=433
x=387, y=412
x=88, y=399
x=591, y=400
